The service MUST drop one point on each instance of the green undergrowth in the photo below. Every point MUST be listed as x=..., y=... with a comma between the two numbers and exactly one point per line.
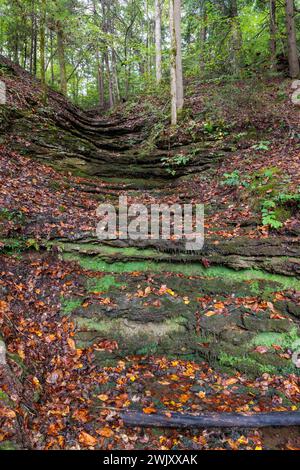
x=270, y=192
x=12, y=246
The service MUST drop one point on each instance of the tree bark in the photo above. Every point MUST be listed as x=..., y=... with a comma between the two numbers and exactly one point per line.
x=52, y=59
x=273, y=31
x=61, y=59
x=115, y=75
x=176, y=60
x=236, y=38
x=100, y=80
x=158, y=55
x=211, y=420
x=108, y=66
x=294, y=69
x=203, y=35
x=109, y=79
x=42, y=50
x=34, y=44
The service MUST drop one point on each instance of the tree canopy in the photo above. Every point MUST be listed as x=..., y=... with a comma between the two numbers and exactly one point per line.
x=102, y=51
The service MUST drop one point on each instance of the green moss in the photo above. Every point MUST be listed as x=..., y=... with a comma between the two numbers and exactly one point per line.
x=122, y=327
x=269, y=171
x=4, y=397
x=103, y=284
x=69, y=305
x=17, y=359
x=147, y=350
x=285, y=340
x=282, y=214
x=245, y=364
x=55, y=185
x=88, y=324
x=256, y=365
x=269, y=188
x=8, y=445
x=191, y=269
x=105, y=251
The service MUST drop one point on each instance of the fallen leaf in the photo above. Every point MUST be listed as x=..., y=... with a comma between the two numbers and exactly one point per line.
x=103, y=397
x=105, y=432
x=149, y=410
x=87, y=440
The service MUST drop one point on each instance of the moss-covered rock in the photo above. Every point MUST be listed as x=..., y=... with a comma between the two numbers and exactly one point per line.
x=9, y=445
x=259, y=324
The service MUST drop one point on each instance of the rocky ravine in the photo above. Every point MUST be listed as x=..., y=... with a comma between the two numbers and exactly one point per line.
x=235, y=305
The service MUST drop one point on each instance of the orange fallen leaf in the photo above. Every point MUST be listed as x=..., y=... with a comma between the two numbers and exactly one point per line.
x=219, y=305
x=261, y=349
x=103, y=397
x=105, y=432
x=87, y=440
x=71, y=343
x=231, y=381
x=6, y=413
x=210, y=313
x=81, y=415
x=149, y=410
x=3, y=305
x=184, y=398
x=277, y=316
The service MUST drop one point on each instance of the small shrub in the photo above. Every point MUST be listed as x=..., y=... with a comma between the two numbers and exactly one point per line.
x=262, y=146
x=176, y=161
x=268, y=213
x=11, y=215
x=232, y=179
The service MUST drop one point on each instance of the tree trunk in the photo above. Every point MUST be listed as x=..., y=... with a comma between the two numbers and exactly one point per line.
x=158, y=40
x=106, y=26
x=203, y=35
x=148, y=41
x=236, y=38
x=16, y=48
x=100, y=80
x=176, y=60
x=109, y=79
x=115, y=75
x=34, y=45
x=273, y=31
x=61, y=59
x=52, y=59
x=42, y=50
x=32, y=37
x=127, y=66
x=294, y=69
x=25, y=54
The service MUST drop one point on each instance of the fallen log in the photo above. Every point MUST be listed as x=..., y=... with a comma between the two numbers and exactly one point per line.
x=211, y=420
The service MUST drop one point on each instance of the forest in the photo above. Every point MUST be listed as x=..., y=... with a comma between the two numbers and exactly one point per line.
x=149, y=226
x=100, y=53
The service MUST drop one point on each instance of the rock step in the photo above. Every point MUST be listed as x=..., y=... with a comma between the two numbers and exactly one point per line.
x=142, y=317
